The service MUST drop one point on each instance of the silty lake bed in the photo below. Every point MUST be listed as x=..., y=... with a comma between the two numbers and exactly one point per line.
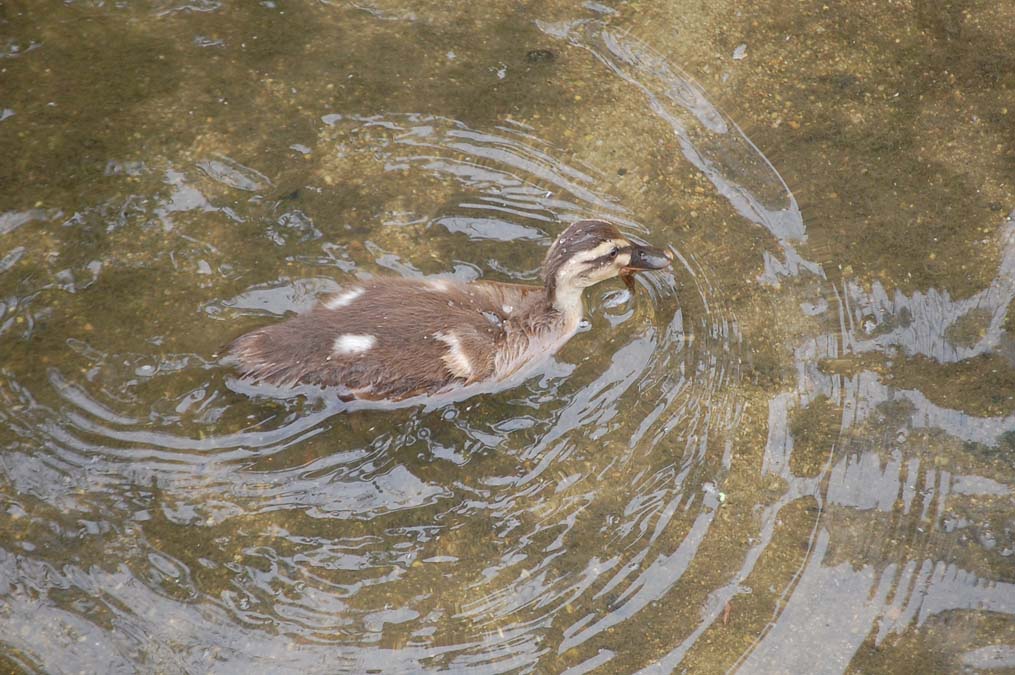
x=793, y=452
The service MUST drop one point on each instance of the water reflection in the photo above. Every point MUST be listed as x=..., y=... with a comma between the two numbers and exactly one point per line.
x=712, y=461
x=932, y=323
x=709, y=140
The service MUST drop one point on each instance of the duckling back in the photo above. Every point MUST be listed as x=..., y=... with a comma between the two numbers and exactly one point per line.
x=387, y=339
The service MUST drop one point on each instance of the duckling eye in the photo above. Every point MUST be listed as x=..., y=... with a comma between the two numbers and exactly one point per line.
x=614, y=251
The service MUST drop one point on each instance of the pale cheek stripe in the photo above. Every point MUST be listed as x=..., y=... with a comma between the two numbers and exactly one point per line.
x=354, y=344
x=599, y=251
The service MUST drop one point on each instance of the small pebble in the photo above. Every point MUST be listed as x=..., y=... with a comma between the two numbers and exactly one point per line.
x=540, y=56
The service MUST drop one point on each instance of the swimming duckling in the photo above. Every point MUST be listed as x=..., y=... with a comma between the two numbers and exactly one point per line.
x=391, y=338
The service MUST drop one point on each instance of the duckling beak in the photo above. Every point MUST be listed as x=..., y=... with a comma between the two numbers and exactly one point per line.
x=644, y=258
x=648, y=258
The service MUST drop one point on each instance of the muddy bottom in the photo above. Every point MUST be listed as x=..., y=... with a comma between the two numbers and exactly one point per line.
x=791, y=452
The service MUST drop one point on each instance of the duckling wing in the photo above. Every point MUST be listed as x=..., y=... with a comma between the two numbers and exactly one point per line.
x=383, y=339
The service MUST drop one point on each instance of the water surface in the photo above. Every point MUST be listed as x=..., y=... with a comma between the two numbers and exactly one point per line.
x=793, y=452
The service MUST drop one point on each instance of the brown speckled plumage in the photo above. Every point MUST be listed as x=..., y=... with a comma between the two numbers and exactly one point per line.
x=392, y=338
x=406, y=316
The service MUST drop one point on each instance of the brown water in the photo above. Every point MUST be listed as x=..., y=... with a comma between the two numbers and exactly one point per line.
x=793, y=453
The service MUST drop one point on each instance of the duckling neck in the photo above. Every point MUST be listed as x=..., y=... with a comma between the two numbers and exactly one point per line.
x=567, y=302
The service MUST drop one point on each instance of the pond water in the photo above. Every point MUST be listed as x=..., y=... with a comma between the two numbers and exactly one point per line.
x=793, y=452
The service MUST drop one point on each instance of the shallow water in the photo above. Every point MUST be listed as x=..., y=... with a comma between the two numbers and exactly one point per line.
x=793, y=452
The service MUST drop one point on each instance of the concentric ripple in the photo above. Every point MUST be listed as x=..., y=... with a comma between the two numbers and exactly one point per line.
x=160, y=513
x=405, y=526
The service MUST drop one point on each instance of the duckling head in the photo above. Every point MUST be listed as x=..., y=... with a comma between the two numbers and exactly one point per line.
x=590, y=251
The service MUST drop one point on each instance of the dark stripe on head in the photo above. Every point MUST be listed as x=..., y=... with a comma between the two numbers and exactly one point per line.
x=583, y=235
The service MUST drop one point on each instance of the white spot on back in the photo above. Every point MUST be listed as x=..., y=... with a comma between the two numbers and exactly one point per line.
x=343, y=299
x=348, y=343
x=507, y=309
x=456, y=359
x=439, y=285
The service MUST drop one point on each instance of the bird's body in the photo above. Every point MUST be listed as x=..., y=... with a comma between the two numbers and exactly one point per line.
x=393, y=338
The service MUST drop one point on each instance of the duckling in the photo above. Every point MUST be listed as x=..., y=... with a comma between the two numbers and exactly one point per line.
x=389, y=339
